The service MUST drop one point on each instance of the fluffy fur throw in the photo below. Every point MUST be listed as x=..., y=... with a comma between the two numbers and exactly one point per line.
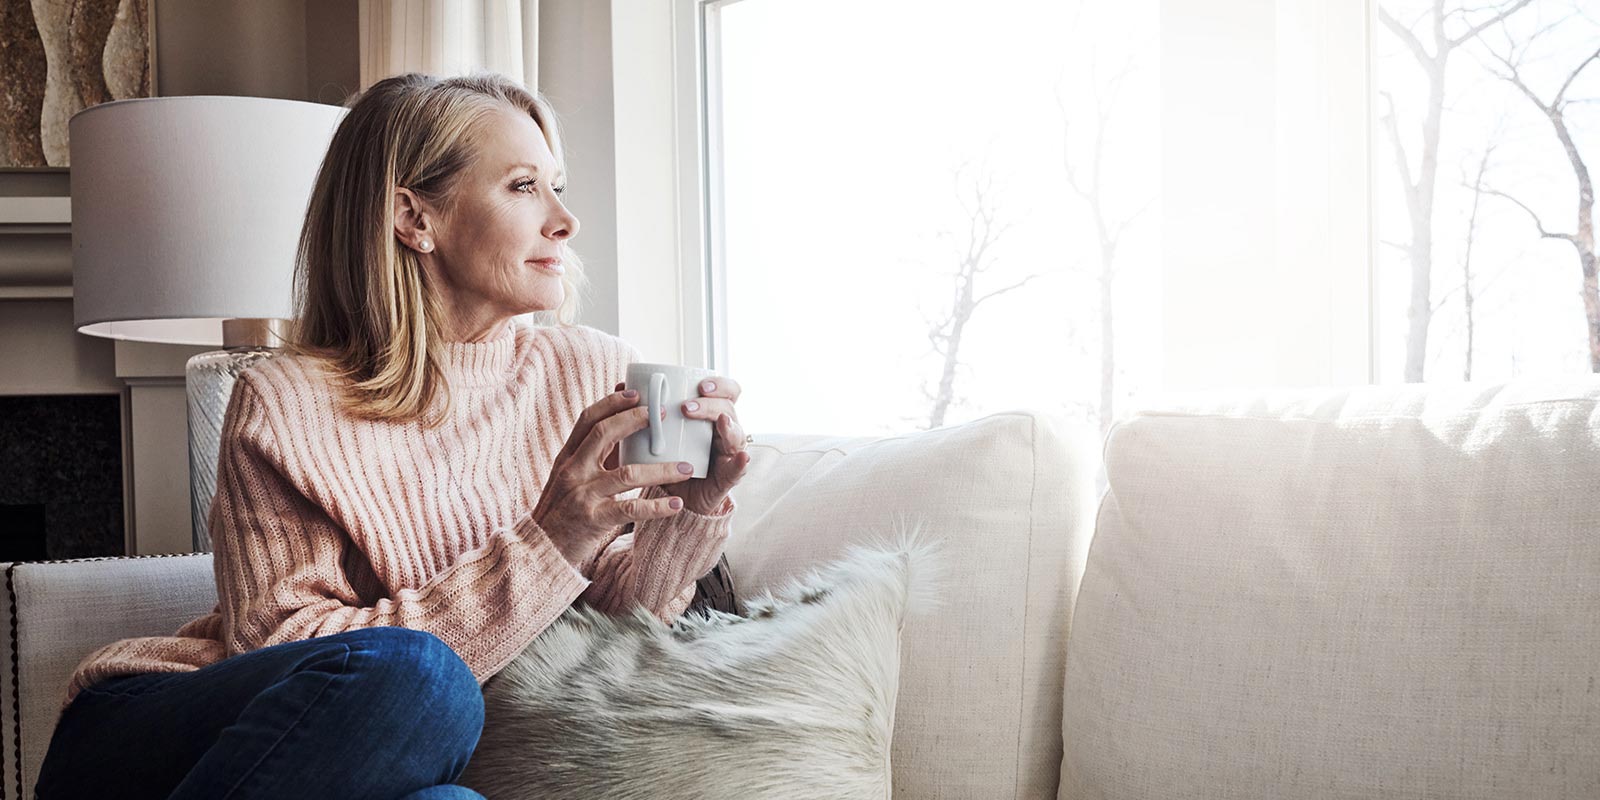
x=794, y=700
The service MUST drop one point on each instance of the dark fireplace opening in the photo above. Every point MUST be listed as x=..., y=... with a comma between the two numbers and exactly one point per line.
x=60, y=477
x=22, y=532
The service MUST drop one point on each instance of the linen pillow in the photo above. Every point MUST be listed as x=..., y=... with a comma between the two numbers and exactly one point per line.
x=794, y=700
x=1347, y=592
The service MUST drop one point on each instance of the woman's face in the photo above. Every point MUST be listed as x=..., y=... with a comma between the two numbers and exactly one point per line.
x=505, y=218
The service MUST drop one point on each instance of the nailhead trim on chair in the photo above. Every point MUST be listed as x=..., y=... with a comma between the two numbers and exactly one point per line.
x=16, y=679
x=16, y=689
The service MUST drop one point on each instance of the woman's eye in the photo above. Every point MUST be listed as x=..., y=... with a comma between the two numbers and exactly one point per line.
x=520, y=186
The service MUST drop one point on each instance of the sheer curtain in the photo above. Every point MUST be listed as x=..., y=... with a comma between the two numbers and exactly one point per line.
x=449, y=37
x=1267, y=199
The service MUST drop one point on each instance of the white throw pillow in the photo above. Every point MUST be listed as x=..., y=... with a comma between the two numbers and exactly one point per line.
x=1011, y=495
x=794, y=700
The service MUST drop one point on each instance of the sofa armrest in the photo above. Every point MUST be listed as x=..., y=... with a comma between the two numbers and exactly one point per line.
x=57, y=612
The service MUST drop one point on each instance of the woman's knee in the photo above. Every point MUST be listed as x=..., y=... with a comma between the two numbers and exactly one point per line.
x=421, y=672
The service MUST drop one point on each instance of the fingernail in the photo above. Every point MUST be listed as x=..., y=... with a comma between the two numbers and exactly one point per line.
x=631, y=393
x=691, y=406
x=685, y=468
x=708, y=386
x=675, y=503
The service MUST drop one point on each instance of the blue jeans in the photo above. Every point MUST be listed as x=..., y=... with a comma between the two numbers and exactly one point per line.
x=379, y=713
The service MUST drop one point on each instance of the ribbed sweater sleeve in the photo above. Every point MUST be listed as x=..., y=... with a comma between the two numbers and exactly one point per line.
x=658, y=563
x=280, y=576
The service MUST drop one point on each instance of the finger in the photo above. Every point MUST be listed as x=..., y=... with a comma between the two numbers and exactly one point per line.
x=601, y=409
x=638, y=476
x=612, y=458
x=720, y=386
x=735, y=465
x=727, y=471
x=608, y=432
x=707, y=408
x=638, y=509
x=730, y=435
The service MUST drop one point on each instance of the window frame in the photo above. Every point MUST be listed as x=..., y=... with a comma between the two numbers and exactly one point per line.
x=702, y=273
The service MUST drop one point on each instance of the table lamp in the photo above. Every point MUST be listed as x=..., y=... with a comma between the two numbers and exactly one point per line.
x=186, y=217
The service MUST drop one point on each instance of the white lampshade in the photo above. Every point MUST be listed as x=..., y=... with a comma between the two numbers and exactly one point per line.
x=187, y=211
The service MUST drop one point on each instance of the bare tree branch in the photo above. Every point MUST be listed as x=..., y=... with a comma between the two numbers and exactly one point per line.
x=1016, y=285
x=1513, y=75
x=1557, y=102
x=1583, y=239
x=1404, y=34
x=1123, y=226
x=1420, y=187
x=1537, y=223
x=1392, y=126
x=972, y=259
x=1496, y=19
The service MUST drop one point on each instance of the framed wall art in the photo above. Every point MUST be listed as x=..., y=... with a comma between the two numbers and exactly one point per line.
x=62, y=56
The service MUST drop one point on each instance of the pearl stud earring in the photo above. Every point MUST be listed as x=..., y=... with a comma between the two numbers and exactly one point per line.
x=425, y=246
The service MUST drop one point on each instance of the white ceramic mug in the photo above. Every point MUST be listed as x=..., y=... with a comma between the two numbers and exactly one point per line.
x=676, y=438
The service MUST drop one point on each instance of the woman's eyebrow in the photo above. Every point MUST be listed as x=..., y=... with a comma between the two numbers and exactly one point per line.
x=534, y=168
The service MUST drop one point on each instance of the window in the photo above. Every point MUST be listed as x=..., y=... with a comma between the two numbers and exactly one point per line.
x=924, y=212
x=903, y=244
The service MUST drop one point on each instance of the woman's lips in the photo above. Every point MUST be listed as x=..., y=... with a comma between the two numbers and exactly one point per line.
x=551, y=264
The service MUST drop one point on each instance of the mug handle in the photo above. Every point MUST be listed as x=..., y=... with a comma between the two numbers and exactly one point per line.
x=658, y=437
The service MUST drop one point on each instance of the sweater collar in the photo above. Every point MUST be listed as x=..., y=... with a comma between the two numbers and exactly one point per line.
x=480, y=363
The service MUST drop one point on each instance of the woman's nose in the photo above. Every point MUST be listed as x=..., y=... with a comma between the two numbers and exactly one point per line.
x=562, y=226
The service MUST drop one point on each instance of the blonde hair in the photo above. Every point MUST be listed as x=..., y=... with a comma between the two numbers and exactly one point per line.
x=364, y=305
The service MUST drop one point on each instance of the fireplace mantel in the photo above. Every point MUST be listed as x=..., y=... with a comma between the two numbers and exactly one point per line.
x=35, y=247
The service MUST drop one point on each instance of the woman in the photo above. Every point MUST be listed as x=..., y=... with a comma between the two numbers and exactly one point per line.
x=411, y=493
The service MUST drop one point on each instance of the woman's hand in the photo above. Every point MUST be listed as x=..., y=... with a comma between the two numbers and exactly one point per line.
x=578, y=508
x=729, y=458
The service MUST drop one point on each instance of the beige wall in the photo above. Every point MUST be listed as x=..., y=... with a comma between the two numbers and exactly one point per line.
x=290, y=49
x=609, y=70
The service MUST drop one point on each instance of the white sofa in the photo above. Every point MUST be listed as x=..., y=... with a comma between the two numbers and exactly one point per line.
x=980, y=704
x=1369, y=592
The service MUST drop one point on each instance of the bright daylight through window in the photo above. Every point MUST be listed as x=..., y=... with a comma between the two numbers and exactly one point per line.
x=933, y=211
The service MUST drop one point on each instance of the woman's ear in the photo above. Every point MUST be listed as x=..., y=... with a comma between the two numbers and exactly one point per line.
x=411, y=221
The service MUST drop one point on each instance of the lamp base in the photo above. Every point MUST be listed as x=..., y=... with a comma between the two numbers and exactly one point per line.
x=208, y=379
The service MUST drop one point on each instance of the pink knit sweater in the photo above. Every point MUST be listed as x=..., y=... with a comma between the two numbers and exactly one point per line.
x=324, y=523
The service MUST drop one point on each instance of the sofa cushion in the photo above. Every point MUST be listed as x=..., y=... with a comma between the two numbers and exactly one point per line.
x=1010, y=498
x=1371, y=592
